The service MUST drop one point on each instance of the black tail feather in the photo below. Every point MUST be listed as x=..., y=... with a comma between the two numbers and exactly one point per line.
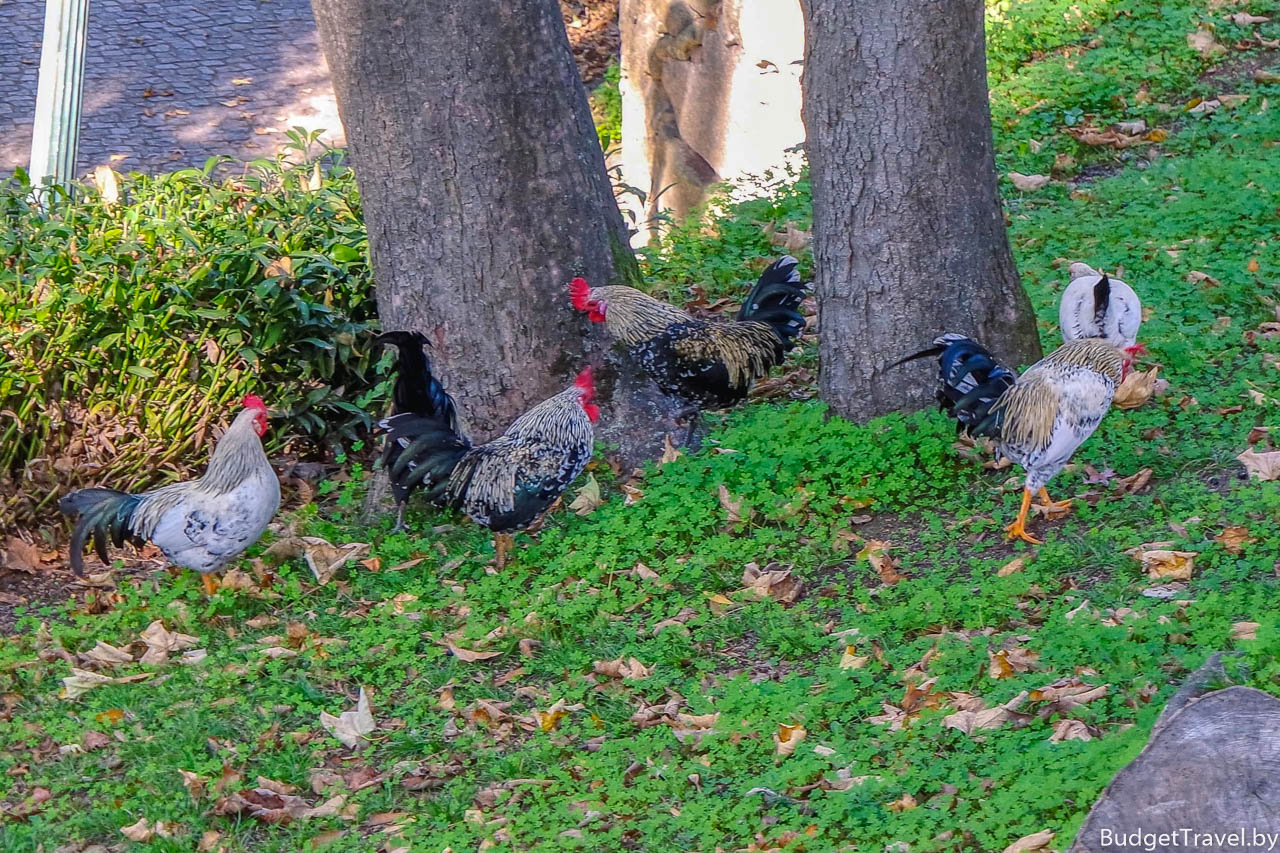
x=776, y=300
x=423, y=443
x=416, y=390
x=1101, y=300
x=104, y=514
x=970, y=381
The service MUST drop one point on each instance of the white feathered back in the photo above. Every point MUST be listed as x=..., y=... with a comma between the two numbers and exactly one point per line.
x=1077, y=313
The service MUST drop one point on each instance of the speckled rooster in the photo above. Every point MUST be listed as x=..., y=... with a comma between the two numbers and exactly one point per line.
x=703, y=365
x=505, y=485
x=200, y=524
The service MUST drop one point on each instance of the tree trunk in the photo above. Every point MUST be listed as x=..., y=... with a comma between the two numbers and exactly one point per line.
x=484, y=192
x=908, y=233
x=1210, y=769
x=710, y=91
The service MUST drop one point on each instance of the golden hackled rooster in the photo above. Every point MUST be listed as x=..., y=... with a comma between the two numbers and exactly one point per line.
x=1038, y=419
x=200, y=524
x=702, y=364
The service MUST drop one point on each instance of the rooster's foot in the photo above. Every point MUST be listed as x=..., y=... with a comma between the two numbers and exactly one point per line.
x=210, y=583
x=502, y=544
x=1048, y=502
x=1018, y=530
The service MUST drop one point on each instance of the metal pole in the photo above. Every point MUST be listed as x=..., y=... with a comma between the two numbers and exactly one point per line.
x=55, y=139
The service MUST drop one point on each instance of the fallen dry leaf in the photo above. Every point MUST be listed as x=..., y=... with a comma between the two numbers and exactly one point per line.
x=160, y=642
x=1262, y=466
x=1244, y=630
x=1133, y=484
x=588, y=497
x=1014, y=566
x=108, y=186
x=625, y=669
x=1028, y=183
x=193, y=782
x=266, y=805
x=1006, y=663
x=732, y=507
x=1164, y=564
x=691, y=728
x=849, y=660
x=1069, y=729
x=787, y=738
x=669, y=451
x=142, y=831
x=105, y=654
x=876, y=552
x=772, y=582
x=1027, y=843
x=1203, y=42
x=990, y=718
x=19, y=556
x=325, y=559
x=279, y=267
x=1136, y=389
x=81, y=681
x=905, y=803
x=791, y=238
x=549, y=719
x=351, y=726
x=468, y=655
x=1069, y=692
x=1233, y=539
x=1244, y=19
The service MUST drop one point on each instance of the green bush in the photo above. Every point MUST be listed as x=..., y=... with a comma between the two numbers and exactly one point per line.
x=133, y=317
x=606, y=107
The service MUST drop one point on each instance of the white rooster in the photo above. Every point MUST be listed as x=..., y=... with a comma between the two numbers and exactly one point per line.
x=199, y=524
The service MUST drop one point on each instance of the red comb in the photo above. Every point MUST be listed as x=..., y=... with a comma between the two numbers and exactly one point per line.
x=253, y=401
x=580, y=293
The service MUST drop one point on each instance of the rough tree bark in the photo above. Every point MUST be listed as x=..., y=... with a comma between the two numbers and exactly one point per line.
x=908, y=234
x=484, y=192
x=1210, y=768
x=710, y=91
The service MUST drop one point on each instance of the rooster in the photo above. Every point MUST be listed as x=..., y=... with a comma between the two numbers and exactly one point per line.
x=423, y=410
x=505, y=485
x=703, y=365
x=198, y=524
x=1097, y=306
x=1038, y=419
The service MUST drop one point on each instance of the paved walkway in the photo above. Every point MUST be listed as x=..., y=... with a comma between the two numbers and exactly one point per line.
x=170, y=83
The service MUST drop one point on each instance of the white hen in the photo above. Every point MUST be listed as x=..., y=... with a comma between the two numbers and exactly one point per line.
x=1094, y=305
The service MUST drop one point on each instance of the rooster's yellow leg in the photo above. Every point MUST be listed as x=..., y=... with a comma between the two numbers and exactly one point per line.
x=1046, y=501
x=1018, y=530
x=501, y=542
x=210, y=583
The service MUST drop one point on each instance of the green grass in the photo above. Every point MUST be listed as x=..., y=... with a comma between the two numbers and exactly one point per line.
x=810, y=491
x=606, y=107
